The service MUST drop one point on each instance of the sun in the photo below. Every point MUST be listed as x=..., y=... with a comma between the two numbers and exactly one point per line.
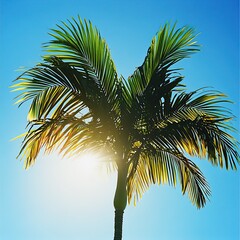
x=71, y=183
x=96, y=161
x=89, y=161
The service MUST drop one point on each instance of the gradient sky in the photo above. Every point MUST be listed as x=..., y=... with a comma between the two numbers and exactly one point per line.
x=55, y=199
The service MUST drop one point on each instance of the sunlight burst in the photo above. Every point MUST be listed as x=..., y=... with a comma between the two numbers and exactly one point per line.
x=89, y=160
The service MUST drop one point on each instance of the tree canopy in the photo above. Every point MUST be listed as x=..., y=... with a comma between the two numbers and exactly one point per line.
x=147, y=123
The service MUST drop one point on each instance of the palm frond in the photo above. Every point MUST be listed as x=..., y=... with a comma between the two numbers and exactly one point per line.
x=168, y=167
x=168, y=47
x=70, y=135
x=198, y=129
x=80, y=45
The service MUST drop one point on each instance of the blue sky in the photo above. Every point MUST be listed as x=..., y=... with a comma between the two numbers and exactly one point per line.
x=55, y=199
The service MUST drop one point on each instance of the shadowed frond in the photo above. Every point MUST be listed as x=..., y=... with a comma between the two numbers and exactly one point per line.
x=50, y=83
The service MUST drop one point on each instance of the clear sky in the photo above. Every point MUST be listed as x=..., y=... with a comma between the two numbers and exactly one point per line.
x=55, y=199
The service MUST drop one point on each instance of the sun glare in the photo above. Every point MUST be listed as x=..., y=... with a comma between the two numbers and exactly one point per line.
x=71, y=184
x=89, y=161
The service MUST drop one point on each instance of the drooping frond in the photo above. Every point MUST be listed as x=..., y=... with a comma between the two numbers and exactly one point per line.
x=69, y=135
x=193, y=123
x=51, y=83
x=168, y=167
x=196, y=124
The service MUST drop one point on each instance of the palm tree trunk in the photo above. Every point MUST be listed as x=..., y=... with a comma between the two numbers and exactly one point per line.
x=118, y=224
x=120, y=201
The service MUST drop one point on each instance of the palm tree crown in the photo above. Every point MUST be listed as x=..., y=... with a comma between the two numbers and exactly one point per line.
x=147, y=123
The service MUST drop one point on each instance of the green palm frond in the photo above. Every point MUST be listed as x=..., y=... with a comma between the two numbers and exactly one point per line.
x=195, y=125
x=81, y=45
x=154, y=81
x=203, y=101
x=201, y=138
x=168, y=47
x=49, y=87
x=168, y=167
x=80, y=61
x=59, y=79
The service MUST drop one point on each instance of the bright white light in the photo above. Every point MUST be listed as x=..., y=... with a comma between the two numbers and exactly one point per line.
x=94, y=163
x=70, y=185
x=89, y=161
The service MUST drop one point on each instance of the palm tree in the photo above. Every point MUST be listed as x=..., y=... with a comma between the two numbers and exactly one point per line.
x=148, y=124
